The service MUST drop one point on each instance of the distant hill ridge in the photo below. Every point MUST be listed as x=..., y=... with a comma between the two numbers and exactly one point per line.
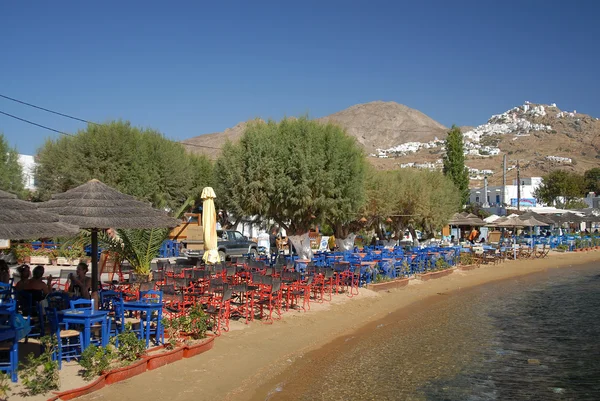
x=374, y=125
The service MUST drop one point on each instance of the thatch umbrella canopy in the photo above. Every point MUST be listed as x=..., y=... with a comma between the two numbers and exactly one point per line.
x=23, y=220
x=96, y=206
x=568, y=218
x=531, y=222
x=458, y=220
x=539, y=217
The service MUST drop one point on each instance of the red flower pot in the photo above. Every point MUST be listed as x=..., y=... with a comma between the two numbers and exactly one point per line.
x=78, y=392
x=196, y=349
x=126, y=372
x=164, y=358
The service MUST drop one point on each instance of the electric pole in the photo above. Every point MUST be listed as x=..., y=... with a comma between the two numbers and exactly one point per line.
x=504, y=181
x=518, y=187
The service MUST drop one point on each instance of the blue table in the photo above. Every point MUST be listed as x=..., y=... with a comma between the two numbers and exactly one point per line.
x=147, y=308
x=86, y=317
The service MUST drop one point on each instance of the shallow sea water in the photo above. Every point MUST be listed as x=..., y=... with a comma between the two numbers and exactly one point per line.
x=532, y=338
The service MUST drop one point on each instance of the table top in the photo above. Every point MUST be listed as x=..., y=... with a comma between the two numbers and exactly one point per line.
x=83, y=313
x=142, y=304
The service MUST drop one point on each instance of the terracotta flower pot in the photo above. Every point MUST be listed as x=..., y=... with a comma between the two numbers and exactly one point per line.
x=467, y=267
x=395, y=283
x=78, y=392
x=164, y=358
x=126, y=372
x=198, y=348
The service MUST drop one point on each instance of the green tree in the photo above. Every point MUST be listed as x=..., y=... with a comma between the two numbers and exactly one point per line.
x=297, y=172
x=592, y=180
x=454, y=162
x=11, y=173
x=139, y=162
x=561, y=187
x=412, y=199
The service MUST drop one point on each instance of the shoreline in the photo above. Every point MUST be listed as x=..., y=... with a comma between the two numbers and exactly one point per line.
x=249, y=357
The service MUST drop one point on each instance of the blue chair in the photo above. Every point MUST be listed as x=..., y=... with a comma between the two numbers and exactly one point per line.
x=81, y=304
x=28, y=302
x=107, y=299
x=70, y=341
x=8, y=339
x=121, y=320
x=58, y=300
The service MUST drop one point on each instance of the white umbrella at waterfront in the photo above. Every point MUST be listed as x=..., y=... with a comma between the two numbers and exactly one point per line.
x=209, y=226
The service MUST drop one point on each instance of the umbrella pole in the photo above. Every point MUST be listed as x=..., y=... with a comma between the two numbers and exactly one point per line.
x=94, y=260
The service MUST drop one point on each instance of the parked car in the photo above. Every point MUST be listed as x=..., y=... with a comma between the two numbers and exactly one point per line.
x=230, y=244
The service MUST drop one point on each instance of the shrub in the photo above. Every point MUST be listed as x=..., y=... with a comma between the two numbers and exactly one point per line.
x=95, y=360
x=129, y=347
x=4, y=386
x=40, y=374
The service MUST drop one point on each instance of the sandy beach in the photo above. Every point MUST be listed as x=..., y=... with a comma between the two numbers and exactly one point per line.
x=249, y=356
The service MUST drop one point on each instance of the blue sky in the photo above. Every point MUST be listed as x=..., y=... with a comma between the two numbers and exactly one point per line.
x=189, y=68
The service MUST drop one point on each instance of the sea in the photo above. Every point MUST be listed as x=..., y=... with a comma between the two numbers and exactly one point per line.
x=535, y=337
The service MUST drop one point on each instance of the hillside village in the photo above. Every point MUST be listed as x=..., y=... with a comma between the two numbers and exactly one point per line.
x=540, y=137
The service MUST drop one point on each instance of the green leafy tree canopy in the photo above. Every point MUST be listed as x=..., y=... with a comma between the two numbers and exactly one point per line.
x=592, y=180
x=11, y=173
x=454, y=162
x=138, y=162
x=297, y=172
x=561, y=187
x=412, y=199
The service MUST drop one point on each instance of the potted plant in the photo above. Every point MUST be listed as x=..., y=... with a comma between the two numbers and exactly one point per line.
x=195, y=327
x=190, y=330
x=128, y=357
x=138, y=247
x=22, y=253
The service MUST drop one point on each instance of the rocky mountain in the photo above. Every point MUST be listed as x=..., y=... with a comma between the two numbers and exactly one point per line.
x=539, y=137
x=375, y=125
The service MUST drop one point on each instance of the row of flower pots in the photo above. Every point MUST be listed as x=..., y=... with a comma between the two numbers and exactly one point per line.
x=586, y=249
x=148, y=362
x=402, y=282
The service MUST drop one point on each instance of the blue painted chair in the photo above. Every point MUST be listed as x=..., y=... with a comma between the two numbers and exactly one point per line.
x=70, y=341
x=8, y=340
x=81, y=304
x=107, y=299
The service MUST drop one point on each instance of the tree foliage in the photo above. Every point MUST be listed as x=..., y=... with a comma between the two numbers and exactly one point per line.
x=139, y=162
x=412, y=199
x=297, y=172
x=11, y=173
x=592, y=180
x=454, y=162
x=560, y=187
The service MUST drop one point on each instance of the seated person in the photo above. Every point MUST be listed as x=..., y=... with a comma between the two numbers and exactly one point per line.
x=81, y=285
x=37, y=282
x=24, y=276
x=4, y=272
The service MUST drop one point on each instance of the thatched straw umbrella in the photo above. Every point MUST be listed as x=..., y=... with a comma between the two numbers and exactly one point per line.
x=96, y=206
x=539, y=217
x=23, y=220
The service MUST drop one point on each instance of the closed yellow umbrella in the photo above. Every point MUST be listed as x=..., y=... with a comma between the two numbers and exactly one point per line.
x=209, y=226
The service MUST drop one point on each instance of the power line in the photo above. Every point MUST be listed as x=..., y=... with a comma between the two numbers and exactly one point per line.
x=48, y=110
x=72, y=118
x=36, y=124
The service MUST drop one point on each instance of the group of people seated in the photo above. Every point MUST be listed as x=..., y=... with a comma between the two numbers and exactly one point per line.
x=79, y=284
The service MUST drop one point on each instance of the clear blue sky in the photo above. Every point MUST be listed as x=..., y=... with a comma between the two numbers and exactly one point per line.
x=189, y=68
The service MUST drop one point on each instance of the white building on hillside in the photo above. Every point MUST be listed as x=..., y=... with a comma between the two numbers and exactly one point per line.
x=494, y=193
x=28, y=165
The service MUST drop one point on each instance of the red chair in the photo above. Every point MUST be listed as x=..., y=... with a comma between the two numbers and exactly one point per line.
x=219, y=309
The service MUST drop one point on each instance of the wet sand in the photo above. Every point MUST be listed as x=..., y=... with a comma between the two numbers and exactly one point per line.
x=245, y=361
